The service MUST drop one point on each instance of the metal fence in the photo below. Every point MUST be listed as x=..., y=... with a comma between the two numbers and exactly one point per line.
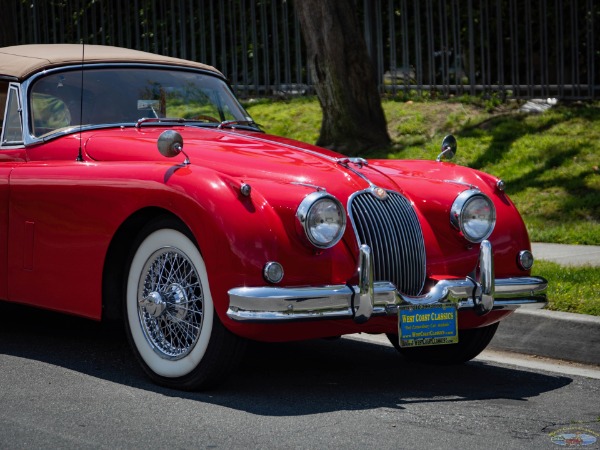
x=511, y=48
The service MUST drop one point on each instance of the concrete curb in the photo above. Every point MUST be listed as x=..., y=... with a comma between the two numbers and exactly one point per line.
x=557, y=335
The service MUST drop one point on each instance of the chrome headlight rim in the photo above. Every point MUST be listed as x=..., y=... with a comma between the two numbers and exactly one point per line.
x=304, y=214
x=459, y=219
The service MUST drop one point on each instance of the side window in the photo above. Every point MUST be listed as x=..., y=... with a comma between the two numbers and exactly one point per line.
x=12, y=131
x=49, y=114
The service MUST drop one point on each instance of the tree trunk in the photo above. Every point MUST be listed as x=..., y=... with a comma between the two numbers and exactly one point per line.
x=8, y=30
x=353, y=119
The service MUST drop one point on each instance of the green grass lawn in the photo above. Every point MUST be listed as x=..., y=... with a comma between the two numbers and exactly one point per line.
x=549, y=161
x=571, y=289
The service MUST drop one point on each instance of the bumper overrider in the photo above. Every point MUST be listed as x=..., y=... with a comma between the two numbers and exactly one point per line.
x=482, y=293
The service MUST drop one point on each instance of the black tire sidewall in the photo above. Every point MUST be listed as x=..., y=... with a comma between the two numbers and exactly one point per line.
x=471, y=343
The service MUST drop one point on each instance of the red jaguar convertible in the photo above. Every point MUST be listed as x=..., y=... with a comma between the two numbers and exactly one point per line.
x=135, y=186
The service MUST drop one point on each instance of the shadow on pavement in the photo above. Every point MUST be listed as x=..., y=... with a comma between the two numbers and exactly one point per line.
x=288, y=379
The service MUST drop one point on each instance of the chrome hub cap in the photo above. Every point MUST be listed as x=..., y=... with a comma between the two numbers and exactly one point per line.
x=170, y=303
x=153, y=304
x=178, y=300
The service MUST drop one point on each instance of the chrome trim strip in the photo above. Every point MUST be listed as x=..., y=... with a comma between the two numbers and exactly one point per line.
x=360, y=162
x=278, y=304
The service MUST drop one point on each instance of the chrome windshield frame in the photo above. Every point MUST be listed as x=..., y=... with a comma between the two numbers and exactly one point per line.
x=26, y=86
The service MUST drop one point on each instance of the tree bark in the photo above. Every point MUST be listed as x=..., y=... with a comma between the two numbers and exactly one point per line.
x=353, y=119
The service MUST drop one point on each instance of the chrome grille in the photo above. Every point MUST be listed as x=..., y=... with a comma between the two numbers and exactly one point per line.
x=392, y=230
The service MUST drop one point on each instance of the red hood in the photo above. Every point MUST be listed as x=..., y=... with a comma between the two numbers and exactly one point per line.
x=242, y=155
x=255, y=156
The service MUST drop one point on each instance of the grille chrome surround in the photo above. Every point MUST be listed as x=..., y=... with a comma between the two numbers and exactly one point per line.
x=391, y=228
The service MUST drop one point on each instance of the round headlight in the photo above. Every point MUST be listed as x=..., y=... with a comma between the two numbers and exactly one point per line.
x=323, y=219
x=473, y=213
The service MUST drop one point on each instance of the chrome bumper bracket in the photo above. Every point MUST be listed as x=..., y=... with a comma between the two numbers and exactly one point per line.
x=366, y=293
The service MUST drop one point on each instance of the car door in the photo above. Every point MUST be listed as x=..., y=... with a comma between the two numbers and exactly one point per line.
x=51, y=253
x=12, y=153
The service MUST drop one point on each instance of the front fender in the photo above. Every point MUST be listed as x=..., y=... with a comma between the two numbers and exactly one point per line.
x=239, y=234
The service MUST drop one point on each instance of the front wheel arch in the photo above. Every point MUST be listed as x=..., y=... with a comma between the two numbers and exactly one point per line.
x=182, y=344
x=117, y=258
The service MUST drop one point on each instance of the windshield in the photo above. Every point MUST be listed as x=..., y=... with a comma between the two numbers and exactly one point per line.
x=125, y=95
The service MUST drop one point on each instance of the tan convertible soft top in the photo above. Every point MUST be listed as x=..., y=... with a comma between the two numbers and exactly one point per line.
x=23, y=60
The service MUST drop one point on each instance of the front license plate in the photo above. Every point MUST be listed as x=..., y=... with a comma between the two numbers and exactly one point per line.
x=420, y=325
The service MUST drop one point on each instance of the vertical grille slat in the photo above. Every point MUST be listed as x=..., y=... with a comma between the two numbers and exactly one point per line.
x=392, y=230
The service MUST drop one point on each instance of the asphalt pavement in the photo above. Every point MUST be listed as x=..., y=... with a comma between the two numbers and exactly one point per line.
x=552, y=334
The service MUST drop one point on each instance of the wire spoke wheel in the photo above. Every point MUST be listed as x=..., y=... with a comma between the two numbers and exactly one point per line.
x=170, y=303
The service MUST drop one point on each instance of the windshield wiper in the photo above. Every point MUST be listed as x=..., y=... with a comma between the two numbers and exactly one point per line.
x=233, y=123
x=223, y=124
x=165, y=120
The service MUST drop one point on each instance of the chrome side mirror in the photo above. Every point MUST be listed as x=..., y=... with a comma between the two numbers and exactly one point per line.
x=170, y=144
x=449, y=147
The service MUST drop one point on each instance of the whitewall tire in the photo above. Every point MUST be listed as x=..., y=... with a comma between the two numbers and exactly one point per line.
x=169, y=311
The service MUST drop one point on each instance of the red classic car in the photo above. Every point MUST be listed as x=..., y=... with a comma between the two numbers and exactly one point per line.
x=135, y=186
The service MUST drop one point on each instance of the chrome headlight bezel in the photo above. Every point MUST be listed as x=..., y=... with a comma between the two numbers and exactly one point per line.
x=465, y=211
x=311, y=209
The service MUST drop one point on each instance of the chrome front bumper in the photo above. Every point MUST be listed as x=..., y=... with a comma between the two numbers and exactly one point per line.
x=368, y=298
